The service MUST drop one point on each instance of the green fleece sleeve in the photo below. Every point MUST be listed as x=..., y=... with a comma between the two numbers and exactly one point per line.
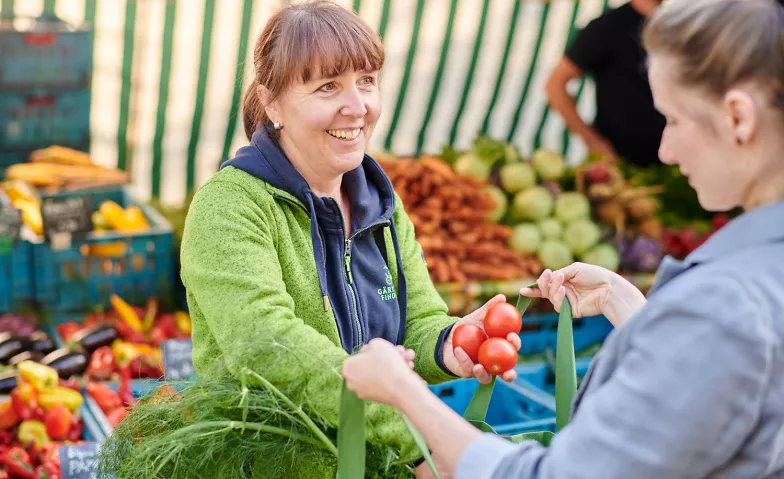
x=231, y=270
x=428, y=321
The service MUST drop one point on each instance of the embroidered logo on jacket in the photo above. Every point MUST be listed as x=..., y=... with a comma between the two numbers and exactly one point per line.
x=387, y=293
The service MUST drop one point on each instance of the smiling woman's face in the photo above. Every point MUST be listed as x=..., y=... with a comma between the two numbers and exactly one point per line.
x=327, y=122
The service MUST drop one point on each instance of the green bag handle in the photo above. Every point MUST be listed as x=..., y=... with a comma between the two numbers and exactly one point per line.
x=351, y=438
x=565, y=380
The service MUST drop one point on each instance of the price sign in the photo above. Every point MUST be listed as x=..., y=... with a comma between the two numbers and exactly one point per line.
x=78, y=461
x=177, y=359
x=69, y=216
x=10, y=222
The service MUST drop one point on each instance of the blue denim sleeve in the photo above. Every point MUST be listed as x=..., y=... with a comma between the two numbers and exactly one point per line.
x=682, y=399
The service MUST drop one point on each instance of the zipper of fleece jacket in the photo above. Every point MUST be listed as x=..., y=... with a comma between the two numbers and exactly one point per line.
x=349, y=277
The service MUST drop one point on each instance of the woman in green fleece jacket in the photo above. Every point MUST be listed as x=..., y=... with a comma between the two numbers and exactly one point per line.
x=298, y=251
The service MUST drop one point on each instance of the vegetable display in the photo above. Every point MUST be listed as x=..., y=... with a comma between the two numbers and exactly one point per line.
x=450, y=214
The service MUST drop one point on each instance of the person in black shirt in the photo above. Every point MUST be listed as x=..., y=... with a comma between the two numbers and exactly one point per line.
x=609, y=50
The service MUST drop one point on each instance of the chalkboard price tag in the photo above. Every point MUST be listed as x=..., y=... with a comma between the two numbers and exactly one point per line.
x=70, y=216
x=10, y=222
x=177, y=360
x=78, y=461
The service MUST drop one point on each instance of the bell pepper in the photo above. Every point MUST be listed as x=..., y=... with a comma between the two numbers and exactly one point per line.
x=114, y=215
x=77, y=427
x=68, y=329
x=6, y=439
x=136, y=219
x=58, y=422
x=33, y=431
x=40, y=376
x=116, y=416
x=124, y=390
x=129, y=334
x=127, y=313
x=47, y=471
x=102, y=364
x=47, y=454
x=150, y=314
x=71, y=383
x=145, y=367
x=24, y=400
x=18, y=463
x=8, y=416
x=60, y=395
x=107, y=399
x=125, y=352
x=183, y=321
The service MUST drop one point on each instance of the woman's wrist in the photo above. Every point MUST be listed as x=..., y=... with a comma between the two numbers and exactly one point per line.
x=624, y=300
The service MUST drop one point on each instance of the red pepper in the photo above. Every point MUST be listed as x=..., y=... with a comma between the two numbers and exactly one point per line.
x=77, y=427
x=102, y=364
x=124, y=390
x=24, y=400
x=168, y=324
x=71, y=383
x=68, y=329
x=8, y=416
x=107, y=399
x=116, y=416
x=47, y=471
x=47, y=454
x=145, y=367
x=58, y=422
x=6, y=438
x=128, y=334
x=18, y=463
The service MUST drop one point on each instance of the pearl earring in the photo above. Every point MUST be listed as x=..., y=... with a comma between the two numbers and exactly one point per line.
x=276, y=125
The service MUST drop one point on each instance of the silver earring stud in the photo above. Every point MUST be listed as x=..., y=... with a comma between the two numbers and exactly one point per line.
x=276, y=125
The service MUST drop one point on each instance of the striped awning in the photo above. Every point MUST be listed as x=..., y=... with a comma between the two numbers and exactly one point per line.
x=169, y=77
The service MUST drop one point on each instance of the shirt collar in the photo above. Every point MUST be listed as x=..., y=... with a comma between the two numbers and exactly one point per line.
x=754, y=228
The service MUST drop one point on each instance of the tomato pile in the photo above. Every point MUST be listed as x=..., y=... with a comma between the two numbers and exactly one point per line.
x=489, y=346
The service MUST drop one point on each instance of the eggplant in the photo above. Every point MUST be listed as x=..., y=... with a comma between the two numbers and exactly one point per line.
x=8, y=381
x=10, y=346
x=27, y=355
x=40, y=342
x=95, y=336
x=66, y=362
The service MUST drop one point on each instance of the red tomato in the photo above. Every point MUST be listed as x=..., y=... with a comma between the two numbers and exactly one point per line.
x=501, y=320
x=498, y=356
x=469, y=337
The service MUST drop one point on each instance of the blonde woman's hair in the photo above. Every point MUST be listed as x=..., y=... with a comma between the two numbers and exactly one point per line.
x=720, y=44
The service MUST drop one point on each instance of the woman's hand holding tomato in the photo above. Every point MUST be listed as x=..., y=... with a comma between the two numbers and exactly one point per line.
x=460, y=362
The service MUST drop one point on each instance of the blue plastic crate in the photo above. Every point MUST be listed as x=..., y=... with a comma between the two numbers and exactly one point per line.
x=36, y=52
x=35, y=119
x=539, y=332
x=70, y=280
x=511, y=402
x=16, y=276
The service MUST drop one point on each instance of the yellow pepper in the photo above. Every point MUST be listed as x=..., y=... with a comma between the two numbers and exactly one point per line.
x=135, y=218
x=114, y=215
x=60, y=395
x=183, y=321
x=33, y=431
x=126, y=312
x=41, y=377
x=126, y=352
x=150, y=314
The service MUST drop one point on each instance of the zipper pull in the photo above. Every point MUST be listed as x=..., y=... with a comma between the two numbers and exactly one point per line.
x=348, y=262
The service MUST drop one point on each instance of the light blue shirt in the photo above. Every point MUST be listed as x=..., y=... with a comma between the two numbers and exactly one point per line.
x=691, y=387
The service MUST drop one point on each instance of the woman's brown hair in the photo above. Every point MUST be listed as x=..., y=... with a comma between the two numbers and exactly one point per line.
x=720, y=44
x=315, y=39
